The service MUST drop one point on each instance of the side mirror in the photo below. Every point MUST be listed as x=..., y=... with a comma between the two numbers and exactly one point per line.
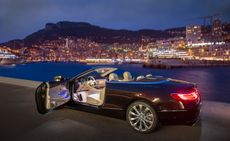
x=58, y=78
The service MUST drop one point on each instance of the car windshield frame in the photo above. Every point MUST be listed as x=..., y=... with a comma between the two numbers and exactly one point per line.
x=97, y=69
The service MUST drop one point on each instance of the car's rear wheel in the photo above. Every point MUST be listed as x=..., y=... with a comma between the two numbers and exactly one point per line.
x=142, y=117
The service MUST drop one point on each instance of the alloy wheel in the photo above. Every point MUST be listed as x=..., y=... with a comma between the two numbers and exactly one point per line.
x=141, y=117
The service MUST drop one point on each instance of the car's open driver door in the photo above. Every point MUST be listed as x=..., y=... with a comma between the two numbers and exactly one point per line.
x=51, y=95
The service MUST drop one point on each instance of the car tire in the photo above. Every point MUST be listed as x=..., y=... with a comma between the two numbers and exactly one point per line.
x=142, y=117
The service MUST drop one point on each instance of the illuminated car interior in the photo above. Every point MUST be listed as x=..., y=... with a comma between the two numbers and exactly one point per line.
x=90, y=88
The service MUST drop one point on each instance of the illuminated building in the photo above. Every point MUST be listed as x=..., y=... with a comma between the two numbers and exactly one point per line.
x=193, y=34
x=217, y=30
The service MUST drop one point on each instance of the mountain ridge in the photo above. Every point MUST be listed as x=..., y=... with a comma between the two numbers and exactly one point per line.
x=53, y=31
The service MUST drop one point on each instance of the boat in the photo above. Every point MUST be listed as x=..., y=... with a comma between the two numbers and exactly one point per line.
x=7, y=58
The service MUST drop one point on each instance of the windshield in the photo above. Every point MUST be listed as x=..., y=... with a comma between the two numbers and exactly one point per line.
x=96, y=72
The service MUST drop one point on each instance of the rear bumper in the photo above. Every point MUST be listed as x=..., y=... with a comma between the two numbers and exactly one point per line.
x=186, y=117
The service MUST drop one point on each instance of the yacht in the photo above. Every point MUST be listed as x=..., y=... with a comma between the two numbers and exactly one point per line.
x=7, y=58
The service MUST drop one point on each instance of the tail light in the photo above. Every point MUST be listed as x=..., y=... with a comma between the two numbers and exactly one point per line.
x=192, y=95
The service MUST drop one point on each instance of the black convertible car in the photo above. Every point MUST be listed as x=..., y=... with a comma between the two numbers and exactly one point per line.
x=146, y=100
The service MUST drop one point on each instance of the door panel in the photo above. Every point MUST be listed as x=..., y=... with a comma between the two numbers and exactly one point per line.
x=40, y=98
x=51, y=95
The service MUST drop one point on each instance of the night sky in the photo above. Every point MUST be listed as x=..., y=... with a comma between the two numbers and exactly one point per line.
x=19, y=18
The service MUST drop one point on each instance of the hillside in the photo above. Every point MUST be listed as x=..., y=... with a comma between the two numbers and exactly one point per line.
x=53, y=31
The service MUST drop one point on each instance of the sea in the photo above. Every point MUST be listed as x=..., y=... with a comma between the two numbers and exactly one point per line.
x=213, y=82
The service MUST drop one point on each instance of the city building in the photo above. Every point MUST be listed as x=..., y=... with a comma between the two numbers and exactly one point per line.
x=193, y=34
x=217, y=31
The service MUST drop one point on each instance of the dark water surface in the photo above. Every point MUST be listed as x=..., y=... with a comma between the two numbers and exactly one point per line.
x=213, y=83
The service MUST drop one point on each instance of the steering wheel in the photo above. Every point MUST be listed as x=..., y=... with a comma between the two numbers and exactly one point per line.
x=91, y=81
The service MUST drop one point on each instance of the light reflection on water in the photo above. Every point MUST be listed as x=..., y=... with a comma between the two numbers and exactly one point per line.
x=213, y=83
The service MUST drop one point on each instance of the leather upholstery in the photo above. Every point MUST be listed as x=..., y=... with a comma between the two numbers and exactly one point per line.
x=113, y=77
x=127, y=76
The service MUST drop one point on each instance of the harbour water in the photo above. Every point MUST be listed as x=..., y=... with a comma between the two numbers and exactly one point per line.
x=213, y=83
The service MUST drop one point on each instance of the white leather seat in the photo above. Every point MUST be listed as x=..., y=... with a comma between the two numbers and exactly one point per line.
x=127, y=76
x=96, y=97
x=149, y=76
x=141, y=77
x=90, y=95
x=113, y=77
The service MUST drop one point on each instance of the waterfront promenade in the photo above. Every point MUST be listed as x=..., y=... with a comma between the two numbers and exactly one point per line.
x=20, y=121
